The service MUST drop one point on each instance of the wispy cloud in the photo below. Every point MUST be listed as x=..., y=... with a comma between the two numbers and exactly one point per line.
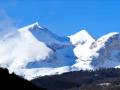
x=7, y=23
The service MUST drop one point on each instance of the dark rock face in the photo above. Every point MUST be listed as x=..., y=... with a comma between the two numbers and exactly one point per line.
x=14, y=82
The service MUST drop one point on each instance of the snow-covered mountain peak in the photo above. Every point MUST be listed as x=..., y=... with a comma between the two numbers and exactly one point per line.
x=82, y=32
x=81, y=37
x=34, y=26
x=105, y=52
x=41, y=34
x=34, y=48
x=34, y=51
x=106, y=40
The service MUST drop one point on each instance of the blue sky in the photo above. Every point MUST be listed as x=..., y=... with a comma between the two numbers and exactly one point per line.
x=63, y=17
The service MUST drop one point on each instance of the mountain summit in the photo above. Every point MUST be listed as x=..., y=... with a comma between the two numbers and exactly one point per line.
x=34, y=51
x=81, y=37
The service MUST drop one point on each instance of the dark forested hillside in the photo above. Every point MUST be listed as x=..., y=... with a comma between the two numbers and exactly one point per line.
x=102, y=79
x=14, y=82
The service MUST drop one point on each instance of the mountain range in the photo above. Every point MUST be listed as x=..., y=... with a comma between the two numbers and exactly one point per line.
x=34, y=51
